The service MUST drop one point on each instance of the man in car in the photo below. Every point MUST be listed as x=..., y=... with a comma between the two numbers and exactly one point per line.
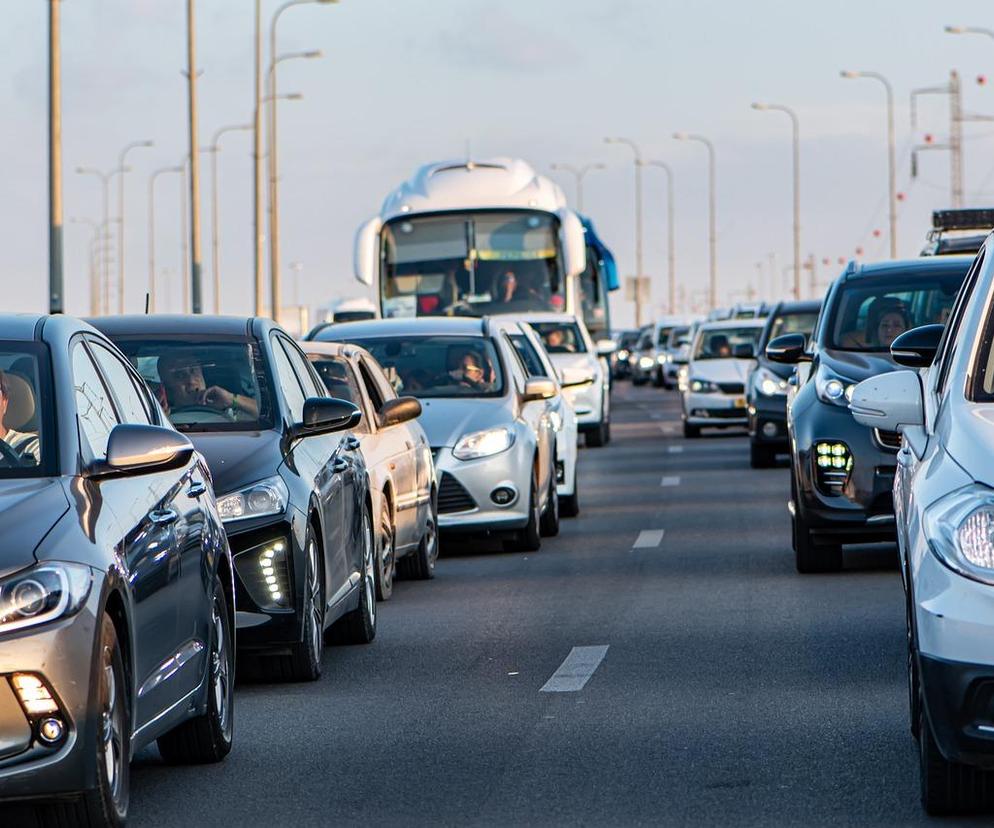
x=24, y=444
x=183, y=386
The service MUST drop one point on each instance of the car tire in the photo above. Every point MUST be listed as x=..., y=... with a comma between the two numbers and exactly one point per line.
x=914, y=682
x=386, y=561
x=657, y=379
x=549, y=522
x=208, y=737
x=420, y=564
x=761, y=457
x=691, y=432
x=809, y=557
x=359, y=625
x=529, y=539
x=598, y=437
x=569, y=505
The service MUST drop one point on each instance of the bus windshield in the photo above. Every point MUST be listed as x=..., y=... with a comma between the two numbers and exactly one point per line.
x=471, y=264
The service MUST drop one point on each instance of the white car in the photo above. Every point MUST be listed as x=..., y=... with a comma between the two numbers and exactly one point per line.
x=713, y=387
x=944, y=512
x=581, y=368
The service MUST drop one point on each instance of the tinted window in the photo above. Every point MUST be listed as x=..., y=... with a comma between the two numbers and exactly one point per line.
x=561, y=337
x=720, y=343
x=528, y=355
x=93, y=406
x=133, y=407
x=26, y=426
x=286, y=377
x=336, y=376
x=312, y=388
x=787, y=323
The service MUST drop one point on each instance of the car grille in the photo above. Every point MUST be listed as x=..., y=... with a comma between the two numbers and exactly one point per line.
x=731, y=387
x=888, y=439
x=452, y=496
x=720, y=413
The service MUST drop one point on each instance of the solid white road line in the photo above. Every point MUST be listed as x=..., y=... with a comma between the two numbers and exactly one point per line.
x=675, y=449
x=648, y=539
x=670, y=481
x=576, y=669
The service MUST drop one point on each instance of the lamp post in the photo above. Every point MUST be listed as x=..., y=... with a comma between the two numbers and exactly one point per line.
x=638, y=223
x=969, y=30
x=579, y=173
x=120, y=218
x=891, y=152
x=670, y=235
x=94, y=283
x=151, y=229
x=105, y=178
x=796, y=130
x=55, y=246
x=713, y=279
x=214, y=149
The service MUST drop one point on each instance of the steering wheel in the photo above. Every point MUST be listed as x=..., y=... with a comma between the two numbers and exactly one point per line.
x=184, y=415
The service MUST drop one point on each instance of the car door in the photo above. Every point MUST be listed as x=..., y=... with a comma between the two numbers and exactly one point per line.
x=535, y=413
x=141, y=529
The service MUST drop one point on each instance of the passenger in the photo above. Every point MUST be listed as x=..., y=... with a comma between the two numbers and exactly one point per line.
x=24, y=443
x=183, y=386
x=507, y=284
x=886, y=320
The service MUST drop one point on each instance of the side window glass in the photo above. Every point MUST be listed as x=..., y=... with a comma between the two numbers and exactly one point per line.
x=133, y=405
x=515, y=365
x=947, y=347
x=384, y=385
x=312, y=387
x=288, y=382
x=93, y=406
x=528, y=356
x=372, y=389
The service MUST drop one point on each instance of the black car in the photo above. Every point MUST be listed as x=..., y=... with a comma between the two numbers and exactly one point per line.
x=842, y=474
x=116, y=590
x=766, y=387
x=619, y=359
x=292, y=486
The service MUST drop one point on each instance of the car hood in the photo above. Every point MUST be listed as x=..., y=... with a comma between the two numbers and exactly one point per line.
x=721, y=370
x=237, y=458
x=856, y=365
x=29, y=508
x=446, y=420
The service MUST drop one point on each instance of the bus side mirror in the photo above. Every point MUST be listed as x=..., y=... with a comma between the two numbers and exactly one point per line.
x=366, y=253
x=574, y=243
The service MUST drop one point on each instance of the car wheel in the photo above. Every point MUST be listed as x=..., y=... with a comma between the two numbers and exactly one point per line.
x=761, y=457
x=208, y=737
x=386, y=562
x=549, y=523
x=691, y=432
x=359, y=625
x=529, y=539
x=569, y=505
x=657, y=379
x=810, y=557
x=595, y=438
x=420, y=565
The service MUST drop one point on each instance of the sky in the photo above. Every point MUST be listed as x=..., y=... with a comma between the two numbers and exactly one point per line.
x=405, y=82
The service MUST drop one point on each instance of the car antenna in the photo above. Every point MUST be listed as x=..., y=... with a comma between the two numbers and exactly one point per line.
x=148, y=298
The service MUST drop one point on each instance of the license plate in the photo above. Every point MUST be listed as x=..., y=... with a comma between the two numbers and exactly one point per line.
x=740, y=402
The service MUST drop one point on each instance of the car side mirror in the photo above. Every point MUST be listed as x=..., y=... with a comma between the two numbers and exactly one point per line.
x=890, y=402
x=366, y=252
x=788, y=349
x=324, y=415
x=133, y=448
x=574, y=243
x=538, y=388
x=400, y=410
x=605, y=347
x=917, y=348
x=744, y=350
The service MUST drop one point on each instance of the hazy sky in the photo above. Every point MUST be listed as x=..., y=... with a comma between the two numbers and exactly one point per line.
x=404, y=82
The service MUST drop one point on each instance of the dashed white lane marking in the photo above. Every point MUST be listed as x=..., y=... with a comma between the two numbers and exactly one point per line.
x=670, y=480
x=576, y=669
x=675, y=449
x=648, y=539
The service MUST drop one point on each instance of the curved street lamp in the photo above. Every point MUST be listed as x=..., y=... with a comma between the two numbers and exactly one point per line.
x=712, y=246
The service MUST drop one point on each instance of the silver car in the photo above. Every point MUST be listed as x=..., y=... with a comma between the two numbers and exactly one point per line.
x=488, y=424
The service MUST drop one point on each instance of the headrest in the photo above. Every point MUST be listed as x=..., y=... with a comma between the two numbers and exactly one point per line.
x=20, y=402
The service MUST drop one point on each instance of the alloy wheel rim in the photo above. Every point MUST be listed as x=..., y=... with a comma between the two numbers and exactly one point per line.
x=111, y=739
x=219, y=670
x=370, y=573
x=314, y=597
x=386, y=556
x=431, y=539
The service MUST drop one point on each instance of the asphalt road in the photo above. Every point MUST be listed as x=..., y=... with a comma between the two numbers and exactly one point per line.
x=732, y=690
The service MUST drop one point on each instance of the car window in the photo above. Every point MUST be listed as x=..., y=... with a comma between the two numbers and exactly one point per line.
x=528, y=355
x=286, y=377
x=94, y=408
x=133, y=403
x=311, y=386
x=562, y=337
x=720, y=343
x=379, y=377
x=372, y=389
x=337, y=377
x=949, y=341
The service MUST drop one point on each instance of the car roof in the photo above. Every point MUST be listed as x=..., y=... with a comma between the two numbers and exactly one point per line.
x=20, y=326
x=408, y=326
x=923, y=265
x=172, y=324
x=752, y=322
x=804, y=306
x=538, y=316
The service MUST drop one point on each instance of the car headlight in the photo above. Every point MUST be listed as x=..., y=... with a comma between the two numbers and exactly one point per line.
x=833, y=389
x=703, y=386
x=646, y=362
x=42, y=593
x=483, y=443
x=267, y=497
x=769, y=383
x=960, y=531
x=661, y=359
x=623, y=353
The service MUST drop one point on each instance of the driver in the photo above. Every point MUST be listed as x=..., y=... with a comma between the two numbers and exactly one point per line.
x=24, y=443
x=469, y=371
x=183, y=384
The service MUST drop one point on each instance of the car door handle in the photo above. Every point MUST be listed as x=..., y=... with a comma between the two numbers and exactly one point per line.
x=197, y=489
x=351, y=443
x=339, y=466
x=162, y=517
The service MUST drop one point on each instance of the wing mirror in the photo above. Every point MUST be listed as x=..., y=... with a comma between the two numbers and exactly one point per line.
x=136, y=449
x=890, y=402
x=400, y=410
x=538, y=388
x=606, y=347
x=744, y=350
x=917, y=348
x=574, y=243
x=788, y=349
x=324, y=415
x=366, y=252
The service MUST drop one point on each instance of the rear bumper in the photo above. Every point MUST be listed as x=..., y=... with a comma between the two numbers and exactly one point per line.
x=768, y=421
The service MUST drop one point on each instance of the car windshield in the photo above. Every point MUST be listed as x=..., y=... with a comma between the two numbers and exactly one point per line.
x=334, y=373
x=786, y=323
x=870, y=316
x=26, y=448
x=471, y=264
x=439, y=366
x=720, y=343
x=561, y=337
x=663, y=336
x=205, y=384
x=678, y=337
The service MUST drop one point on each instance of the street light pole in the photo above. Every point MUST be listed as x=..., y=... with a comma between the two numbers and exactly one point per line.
x=56, y=302
x=712, y=246
x=214, y=149
x=151, y=230
x=795, y=125
x=670, y=235
x=638, y=223
x=94, y=286
x=891, y=153
x=105, y=178
x=579, y=173
x=194, y=159
x=120, y=221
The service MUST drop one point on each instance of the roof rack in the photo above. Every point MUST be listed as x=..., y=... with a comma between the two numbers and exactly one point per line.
x=975, y=218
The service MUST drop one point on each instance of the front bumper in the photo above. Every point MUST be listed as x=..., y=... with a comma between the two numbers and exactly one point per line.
x=465, y=487
x=768, y=421
x=63, y=654
x=715, y=409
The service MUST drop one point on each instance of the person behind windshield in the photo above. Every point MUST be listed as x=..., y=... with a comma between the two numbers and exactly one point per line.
x=183, y=386
x=24, y=443
x=470, y=372
x=555, y=341
x=886, y=320
x=720, y=349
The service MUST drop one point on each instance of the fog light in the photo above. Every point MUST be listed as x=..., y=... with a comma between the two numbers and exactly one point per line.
x=503, y=495
x=264, y=572
x=824, y=462
x=51, y=731
x=823, y=448
x=34, y=695
x=770, y=429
